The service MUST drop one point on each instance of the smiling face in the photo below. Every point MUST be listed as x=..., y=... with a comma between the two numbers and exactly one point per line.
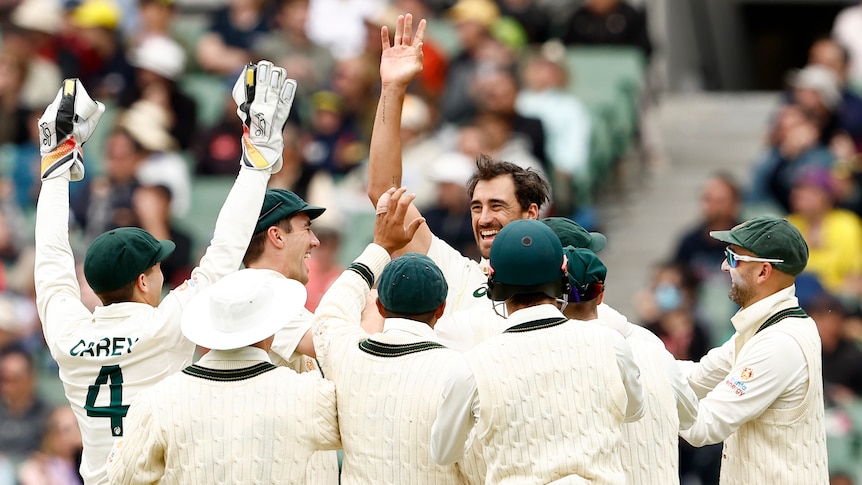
x=298, y=244
x=493, y=206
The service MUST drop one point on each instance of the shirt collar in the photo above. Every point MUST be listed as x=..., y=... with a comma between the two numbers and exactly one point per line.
x=240, y=354
x=396, y=326
x=533, y=313
x=121, y=310
x=748, y=320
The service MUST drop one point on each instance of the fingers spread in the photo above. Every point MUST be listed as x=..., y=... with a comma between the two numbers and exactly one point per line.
x=384, y=37
x=408, y=29
x=399, y=30
x=420, y=32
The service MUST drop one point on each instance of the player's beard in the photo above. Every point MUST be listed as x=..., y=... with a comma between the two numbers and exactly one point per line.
x=741, y=291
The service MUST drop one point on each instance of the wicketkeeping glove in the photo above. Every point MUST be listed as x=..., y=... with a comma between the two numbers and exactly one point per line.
x=264, y=96
x=64, y=127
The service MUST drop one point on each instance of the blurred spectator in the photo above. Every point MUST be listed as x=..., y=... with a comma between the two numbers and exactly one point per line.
x=848, y=114
x=99, y=56
x=22, y=412
x=233, y=33
x=152, y=206
x=834, y=236
x=847, y=30
x=13, y=235
x=159, y=62
x=565, y=121
x=794, y=145
x=106, y=201
x=608, y=22
x=323, y=267
x=353, y=81
x=57, y=460
x=449, y=217
x=335, y=145
x=13, y=114
x=338, y=24
x=217, y=150
x=531, y=16
x=289, y=46
x=495, y=91
x=497, y=137
x=473, y=20
x=157, y=17
x=667, y=309
x=34, y=36
x=719, y=211
x=842, y=357
x=160, y=163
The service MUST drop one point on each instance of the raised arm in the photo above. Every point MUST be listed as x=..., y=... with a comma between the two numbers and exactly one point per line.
x=264, y=96
x=400, y=63
x=64, y=127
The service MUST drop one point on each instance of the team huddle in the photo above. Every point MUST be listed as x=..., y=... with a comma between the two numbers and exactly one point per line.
x=512, y=369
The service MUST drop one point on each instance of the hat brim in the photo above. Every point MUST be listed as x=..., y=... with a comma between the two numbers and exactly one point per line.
x=597, y=242
x=726, y=236
x=167, y=248
x=312, y=211
x=197, y=324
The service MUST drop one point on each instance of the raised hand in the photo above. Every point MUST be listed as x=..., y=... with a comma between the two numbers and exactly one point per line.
x=264, y=95
x=389, y=229
x=401, y=62
x=65, y=125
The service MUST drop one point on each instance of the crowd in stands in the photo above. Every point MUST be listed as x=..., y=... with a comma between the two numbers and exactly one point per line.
x=496, y=80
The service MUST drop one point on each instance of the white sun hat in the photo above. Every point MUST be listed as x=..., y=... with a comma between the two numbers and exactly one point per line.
x=241, y=309
x=161, y=55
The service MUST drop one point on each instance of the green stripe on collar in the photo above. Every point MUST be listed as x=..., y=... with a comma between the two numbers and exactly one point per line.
x=381, y=349
x=795, y=312
x=228, y=375
x=536, y=325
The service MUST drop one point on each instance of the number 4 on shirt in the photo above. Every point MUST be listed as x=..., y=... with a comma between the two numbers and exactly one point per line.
x=115, y=410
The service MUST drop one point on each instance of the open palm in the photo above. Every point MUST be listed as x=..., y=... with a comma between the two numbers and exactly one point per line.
x=401, y=62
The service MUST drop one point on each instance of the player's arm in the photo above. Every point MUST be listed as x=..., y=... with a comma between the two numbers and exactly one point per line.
x=631, y=375
x=686, y=400
x=703, y=376
x=264, y=95
x=64, y=127
x=400, y=63
x=139, y=456
x=458, y=412
x=326, y=435
x=759, y=377
x=340, y=310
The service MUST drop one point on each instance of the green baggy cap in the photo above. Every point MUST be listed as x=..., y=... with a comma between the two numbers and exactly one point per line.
x=119, y=256
x=280, y=204
x=412, y=285
x=573, y=234
x=772, y=238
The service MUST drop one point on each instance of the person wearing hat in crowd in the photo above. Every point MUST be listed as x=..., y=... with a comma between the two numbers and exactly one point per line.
x=649, y=446
x=389, y=383
x=282, y=243
x=159, y=61
x=233, y=414
x=560, y=425
x=108, y=356
x=762, y=391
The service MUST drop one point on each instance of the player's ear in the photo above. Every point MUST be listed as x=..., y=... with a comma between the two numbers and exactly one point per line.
x=380, y=308
x=440, y=309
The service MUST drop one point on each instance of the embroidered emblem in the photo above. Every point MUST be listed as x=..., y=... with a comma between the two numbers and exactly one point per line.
x=746, y=374
x=480, y=292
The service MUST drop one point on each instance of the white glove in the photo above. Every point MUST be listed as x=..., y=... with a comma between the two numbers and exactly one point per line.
x=264, y=96
x=65, y=125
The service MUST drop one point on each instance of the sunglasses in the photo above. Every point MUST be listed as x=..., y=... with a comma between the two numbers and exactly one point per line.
x=733, y=259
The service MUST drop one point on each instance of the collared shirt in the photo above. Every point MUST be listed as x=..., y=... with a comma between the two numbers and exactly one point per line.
x=749, y=374
x=234, y=358
x=460, y=407
x=406, y=329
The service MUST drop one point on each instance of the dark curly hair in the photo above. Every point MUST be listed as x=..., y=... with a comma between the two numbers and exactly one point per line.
x=530, y=187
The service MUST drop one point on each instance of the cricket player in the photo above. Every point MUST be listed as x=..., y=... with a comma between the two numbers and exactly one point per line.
x=649, y=448
x=232, y=417
x=549, y=395
x=761, y=393
x=107, y=357
x=389, y=384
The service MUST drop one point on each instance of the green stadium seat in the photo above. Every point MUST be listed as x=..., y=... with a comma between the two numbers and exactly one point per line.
x=210, y=93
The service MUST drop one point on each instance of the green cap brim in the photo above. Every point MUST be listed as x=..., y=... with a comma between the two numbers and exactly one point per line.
x=726, y=236
x=597, y=241
x=167, y=247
